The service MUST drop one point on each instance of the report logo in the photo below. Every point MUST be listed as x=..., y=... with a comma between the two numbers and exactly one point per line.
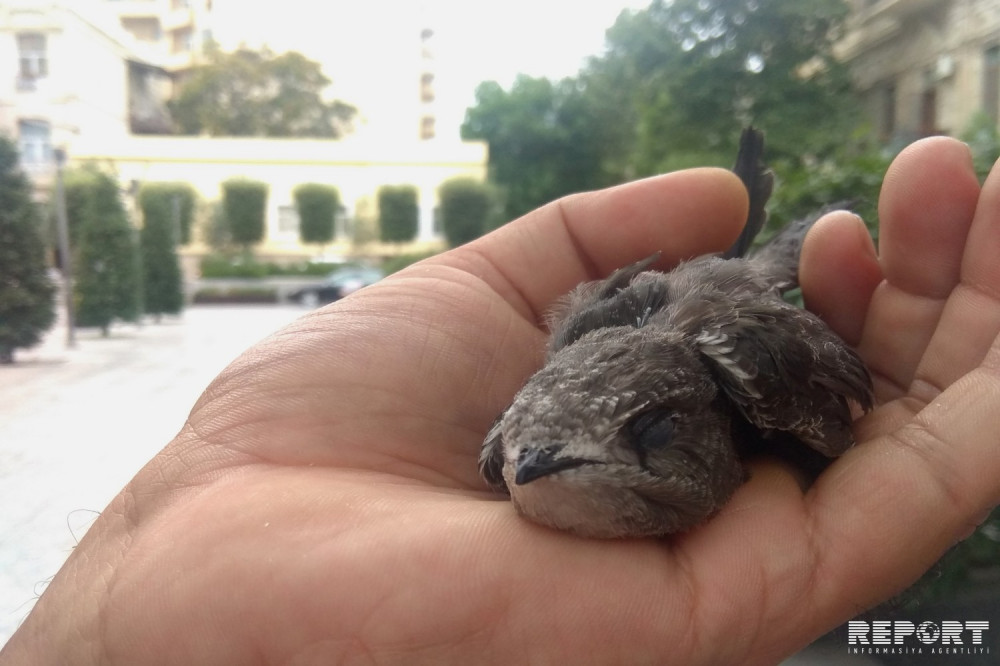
x=932, y=637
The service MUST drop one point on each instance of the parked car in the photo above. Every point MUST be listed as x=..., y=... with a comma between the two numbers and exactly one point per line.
x=336, y=285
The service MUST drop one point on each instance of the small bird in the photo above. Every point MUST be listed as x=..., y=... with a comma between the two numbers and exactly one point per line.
x=656, y=387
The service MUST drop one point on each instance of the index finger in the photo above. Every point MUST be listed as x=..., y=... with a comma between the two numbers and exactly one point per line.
x=539, y=257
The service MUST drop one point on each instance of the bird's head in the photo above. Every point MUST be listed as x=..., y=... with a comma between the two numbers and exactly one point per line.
x=621, y=433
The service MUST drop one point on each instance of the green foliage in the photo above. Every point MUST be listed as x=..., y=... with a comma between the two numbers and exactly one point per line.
x=698, y=70
x=675, y=85
x=258, y=93
x=851, y=177
x=244, y=209
x=466, y=209
x=546, y=139
x=317, y=207
x=185, y=198
x=398, y=214
x=236, y=295
x=984, y=141
x=955, y=572
x=221, y=266
x=26, y=292
x=106, y=260
x=163, y=287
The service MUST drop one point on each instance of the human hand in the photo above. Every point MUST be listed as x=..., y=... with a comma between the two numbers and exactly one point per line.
x=322, y=503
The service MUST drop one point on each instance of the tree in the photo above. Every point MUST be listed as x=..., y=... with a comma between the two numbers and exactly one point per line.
x=698, y=70
x=181, y=199
x=26, y=292
x=163, y=287
x=258, y=93
x=317, y=206
x=467, y=209
x=398, y=215
x=244, y=209
x=984, y=142
x=546, y=139
x=108, y=274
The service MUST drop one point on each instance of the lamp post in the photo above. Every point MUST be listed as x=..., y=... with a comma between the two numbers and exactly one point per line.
x=67, y=262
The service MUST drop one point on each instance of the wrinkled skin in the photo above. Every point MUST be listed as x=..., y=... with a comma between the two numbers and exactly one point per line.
x=322, y=504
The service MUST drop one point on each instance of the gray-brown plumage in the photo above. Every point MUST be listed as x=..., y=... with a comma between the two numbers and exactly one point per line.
x=657, y=384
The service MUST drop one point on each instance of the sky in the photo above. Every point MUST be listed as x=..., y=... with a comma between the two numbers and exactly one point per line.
x=371, y=49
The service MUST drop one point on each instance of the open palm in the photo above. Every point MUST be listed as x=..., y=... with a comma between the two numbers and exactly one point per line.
x=322, y=503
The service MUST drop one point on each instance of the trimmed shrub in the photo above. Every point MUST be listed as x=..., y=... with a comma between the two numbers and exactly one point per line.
x=317, y=207
x=108, y=282
x=26, y=293
x=222, y=266
x=163, y=288
x=244, y=209
x=236, y=295
x=398, y=215
x=467, y=209
x=185, y=198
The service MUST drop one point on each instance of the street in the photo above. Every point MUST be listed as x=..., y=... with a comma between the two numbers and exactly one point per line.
x=76, y=425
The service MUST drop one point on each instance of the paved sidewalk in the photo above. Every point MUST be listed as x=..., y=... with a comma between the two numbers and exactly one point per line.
x=76, y=425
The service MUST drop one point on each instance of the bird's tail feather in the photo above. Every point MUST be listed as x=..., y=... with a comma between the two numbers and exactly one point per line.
x=759, y=181
x=781, y=253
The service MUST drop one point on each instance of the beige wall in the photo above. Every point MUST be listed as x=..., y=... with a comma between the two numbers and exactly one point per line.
x=920, y=46
x=355, y=166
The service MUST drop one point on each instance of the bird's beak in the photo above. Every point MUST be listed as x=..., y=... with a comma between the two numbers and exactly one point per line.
x=535, y=463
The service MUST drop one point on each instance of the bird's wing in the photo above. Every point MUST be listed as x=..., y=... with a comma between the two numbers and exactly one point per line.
x=785, y=370
x=619, y=300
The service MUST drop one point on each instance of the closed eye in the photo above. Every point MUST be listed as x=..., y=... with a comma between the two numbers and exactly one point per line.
x=651, y=430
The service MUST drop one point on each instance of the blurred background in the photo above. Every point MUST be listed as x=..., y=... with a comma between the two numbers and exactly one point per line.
x=178, y=178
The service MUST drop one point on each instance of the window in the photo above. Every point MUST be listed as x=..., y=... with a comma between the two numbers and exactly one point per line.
x=288, y=220
x=427, y=127
x=31, y=52
x=182, y=41
x=427, y=87
x=991, y=82
x=35, y=143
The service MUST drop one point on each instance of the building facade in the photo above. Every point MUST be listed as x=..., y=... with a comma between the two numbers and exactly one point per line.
x=91, y=78
x=176, y=30
x=66, y=75
x=924, y=67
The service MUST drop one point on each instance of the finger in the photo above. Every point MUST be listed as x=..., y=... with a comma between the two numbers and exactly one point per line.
x=971, y=317
x=926, y=208
x=839, y=271
x=924, y=485
x=540, y=256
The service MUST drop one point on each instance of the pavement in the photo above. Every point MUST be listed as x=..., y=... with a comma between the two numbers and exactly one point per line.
x=77, y=424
